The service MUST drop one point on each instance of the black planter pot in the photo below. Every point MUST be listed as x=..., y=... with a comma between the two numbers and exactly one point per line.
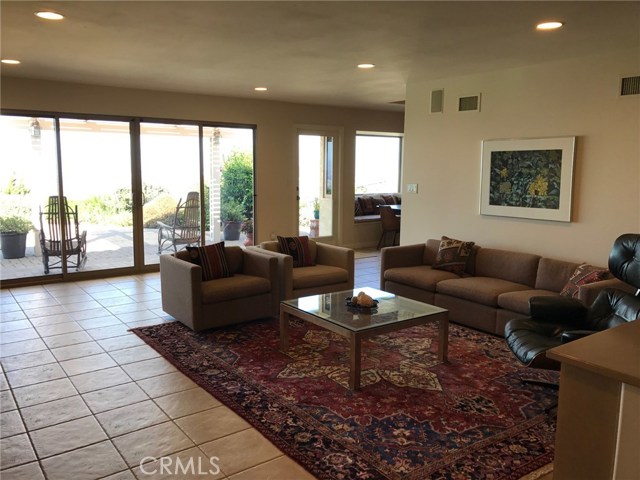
x=13, y=245
x=232, y=230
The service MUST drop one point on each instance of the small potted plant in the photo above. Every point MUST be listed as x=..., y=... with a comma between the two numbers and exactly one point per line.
x=13, y=235
x=231, y=215
x=316, y=208
x=247, y=229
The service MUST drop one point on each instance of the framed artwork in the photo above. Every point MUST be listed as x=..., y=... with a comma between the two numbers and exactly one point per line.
x=528, y=178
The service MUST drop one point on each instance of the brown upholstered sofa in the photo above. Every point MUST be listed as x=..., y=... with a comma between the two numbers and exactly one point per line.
x=251, y=293
x=495, y=287
x=333, y=270
x=366, y=206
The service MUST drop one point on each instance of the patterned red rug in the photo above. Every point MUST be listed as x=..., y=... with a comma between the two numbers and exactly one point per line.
x=414, y=418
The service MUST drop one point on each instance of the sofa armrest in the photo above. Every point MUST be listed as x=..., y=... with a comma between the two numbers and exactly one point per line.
x=571, y=335
x=284, y=271
x=181, y=288
x=558, y=309
x=337, y=257
x=587, y=293
x=259, y=265
x=400, y=256
x=266, y=266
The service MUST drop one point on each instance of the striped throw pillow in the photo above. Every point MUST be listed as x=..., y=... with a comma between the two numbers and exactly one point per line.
x=298, y=248
x=212, y=259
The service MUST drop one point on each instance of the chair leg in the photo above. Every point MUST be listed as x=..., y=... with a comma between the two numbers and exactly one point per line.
x=380, y=241
x=45, y=262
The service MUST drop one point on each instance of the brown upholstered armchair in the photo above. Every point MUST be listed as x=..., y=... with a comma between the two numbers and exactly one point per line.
x=333, y=270
x=251, y=293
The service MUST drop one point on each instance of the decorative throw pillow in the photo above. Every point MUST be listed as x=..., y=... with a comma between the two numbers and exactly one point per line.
x=389, y=199
x=212, y=259
x=366, y=204
x=357, y=209
x=298, y=248
x=583, y=275
x=453, y=255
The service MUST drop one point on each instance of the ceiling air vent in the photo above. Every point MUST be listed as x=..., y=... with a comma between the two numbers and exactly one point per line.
x=630, y=85
x=469, y=103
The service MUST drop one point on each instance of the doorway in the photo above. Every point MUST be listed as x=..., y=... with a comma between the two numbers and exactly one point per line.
x=317, y=183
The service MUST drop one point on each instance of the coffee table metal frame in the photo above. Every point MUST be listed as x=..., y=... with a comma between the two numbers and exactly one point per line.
x=419, y=315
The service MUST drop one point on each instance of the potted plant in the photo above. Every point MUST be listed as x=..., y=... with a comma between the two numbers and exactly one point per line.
x=316, y=208
x=247, y=229
x=13, y=235
x=231, y=215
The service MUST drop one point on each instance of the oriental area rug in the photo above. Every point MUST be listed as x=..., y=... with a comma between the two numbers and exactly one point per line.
x=413, y=418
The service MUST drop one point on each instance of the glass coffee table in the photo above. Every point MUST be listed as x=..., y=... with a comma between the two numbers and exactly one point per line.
x=330, y=311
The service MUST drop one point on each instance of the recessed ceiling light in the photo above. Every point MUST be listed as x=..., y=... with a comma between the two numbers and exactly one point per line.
x=366, y=65
x=549, y=25
x=260, y=89
x=49, y=15
x=10, y=61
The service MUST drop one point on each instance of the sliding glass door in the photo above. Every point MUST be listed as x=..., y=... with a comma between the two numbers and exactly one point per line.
x=84, y=165
x=96, y=181
x=170, y=172
x=85, y=194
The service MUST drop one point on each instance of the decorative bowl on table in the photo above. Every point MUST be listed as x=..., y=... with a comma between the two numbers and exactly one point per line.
x=361, y=308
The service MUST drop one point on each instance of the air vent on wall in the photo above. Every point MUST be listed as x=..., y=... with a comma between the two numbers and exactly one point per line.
x=630, y=85
x=437, y=101
x=469, y=103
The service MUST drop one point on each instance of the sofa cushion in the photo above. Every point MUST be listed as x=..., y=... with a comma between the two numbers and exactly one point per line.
x=514, y=267
x=357, y=209
x=318, y=275
x=553, y=274
x=453, y=255
x=419, y=276
x=231, y=288
x=212, y=259
x=389, y=199
x=583, y=275
x=298, y=248
x=366, y=205
x=519, y=301
x=483, y=290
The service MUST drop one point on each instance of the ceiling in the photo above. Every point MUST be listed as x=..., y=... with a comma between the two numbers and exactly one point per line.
x=304, y=51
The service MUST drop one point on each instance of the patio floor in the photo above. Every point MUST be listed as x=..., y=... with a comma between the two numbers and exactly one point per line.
x=106, y=248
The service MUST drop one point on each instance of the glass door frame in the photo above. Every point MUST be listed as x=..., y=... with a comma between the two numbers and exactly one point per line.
x=337, y=133
x=139, y=265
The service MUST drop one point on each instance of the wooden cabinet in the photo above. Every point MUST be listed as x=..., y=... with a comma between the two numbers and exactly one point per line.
x=598, y=431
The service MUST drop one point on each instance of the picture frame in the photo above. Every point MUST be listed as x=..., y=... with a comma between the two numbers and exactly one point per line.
x=528, y=178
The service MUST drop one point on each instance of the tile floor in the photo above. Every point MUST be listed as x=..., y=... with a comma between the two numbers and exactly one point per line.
x=83, y=398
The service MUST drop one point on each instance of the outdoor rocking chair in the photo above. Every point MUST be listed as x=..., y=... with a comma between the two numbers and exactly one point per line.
x=51, y=234
x=185, y=228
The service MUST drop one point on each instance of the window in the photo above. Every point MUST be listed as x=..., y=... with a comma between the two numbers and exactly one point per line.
x=378, y=163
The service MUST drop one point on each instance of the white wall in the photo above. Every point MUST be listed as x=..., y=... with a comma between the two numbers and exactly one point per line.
x=572, y=98
x=276, y=207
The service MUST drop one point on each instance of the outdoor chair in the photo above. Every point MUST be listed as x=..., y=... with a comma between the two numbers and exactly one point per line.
x=55, y=223
x=184, y=229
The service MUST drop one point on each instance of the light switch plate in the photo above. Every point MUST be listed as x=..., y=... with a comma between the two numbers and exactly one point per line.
x=412, y=188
